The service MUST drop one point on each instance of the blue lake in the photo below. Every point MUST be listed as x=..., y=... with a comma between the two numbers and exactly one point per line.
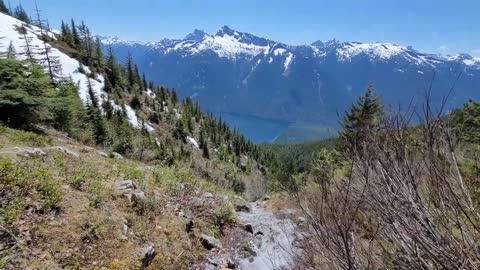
x=258, y=130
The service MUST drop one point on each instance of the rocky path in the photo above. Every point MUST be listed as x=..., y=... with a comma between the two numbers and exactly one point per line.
x=272, y=242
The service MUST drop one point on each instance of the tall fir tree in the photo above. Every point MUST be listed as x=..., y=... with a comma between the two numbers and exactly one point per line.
x=364, y=116
x=11, y=52
x=3, y=8
x=75, y=36
x=21, y=14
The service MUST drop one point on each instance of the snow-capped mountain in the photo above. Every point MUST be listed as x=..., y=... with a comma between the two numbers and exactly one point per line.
x=240, y=73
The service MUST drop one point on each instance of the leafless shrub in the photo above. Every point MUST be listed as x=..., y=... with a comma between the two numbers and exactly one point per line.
x=404, y=204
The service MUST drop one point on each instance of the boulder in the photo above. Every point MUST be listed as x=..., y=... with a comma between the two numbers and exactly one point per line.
x=126, y=185
x=117, y=156
x=249, y=228
x=242, y=208
x=65, y=151
x=101, y=153
x=27, y=151
x=149, y=254
x=138, y=197
x=301, y=220
x=210, y=242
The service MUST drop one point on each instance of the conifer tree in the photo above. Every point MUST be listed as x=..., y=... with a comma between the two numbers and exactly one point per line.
x=3, y=8
x=27, y=47
x=21, y=14
x=138, y=80
x=95, y=117
x=75, y=36
x=67, y=34
x=129, y=66
x=39, y=22
x=144, y=81
x=364, y=115
x=113, y=72
x=11, y=52
x=98, y=53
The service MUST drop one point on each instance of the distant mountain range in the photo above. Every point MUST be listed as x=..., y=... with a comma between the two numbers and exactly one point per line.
x=307, y=86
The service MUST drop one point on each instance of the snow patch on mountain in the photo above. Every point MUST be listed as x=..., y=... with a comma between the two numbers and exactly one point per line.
x=279, y=51
x=288, y=61
x=228, y=46
x=133, y=119
x=379, y=50
x=69, y=66
x=193, y=142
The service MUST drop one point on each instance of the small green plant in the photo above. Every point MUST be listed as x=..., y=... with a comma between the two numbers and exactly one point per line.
x=224, y=215
x=12, y=210
x=51, y=194
x=131, y=171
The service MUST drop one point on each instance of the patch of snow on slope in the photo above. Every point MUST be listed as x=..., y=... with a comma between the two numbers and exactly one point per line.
x=228, y=46
x=150, y=93
x=192, y=141
x=469, y=62
x=133, y=119
x=279, y=51
x=380, y=50
x=288, y=61
x=69, y=65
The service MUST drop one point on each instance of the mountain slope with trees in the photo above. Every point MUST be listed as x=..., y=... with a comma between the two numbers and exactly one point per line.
x=97, y=160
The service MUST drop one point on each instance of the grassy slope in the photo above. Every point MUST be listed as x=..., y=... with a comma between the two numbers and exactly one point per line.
x=74, y=216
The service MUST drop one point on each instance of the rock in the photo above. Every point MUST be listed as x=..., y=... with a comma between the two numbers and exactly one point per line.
x=301, y=220
x=242, y=208
x=213, y=260
x=126, y=185
x=208, y=195
x=27, y=151
x=259, y=233
x=249, y=228
x=181, y=214
x=149, y=254
x=117, y=156
x=101, y=153
x=65, y=151
x=138, y=197
x=229, y=264
x=210, y=242
x=189, y=226
x=208, y=266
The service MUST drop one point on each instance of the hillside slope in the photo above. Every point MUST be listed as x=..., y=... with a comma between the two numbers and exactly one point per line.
x=178, y=132
x=131, y=178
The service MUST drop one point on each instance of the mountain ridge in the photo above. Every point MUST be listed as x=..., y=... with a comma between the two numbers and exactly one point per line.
x=199, y=35
x=240, y=73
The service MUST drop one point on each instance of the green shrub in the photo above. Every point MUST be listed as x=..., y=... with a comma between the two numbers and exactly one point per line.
x=50, y=191
x=224, y=215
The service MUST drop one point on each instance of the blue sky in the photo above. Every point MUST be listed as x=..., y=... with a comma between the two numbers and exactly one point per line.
x=440, y=26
